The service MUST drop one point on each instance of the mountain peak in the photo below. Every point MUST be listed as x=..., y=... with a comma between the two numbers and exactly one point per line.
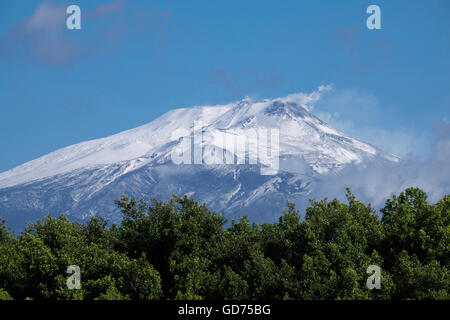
x=301, y=134
x=82, y=179
x=279, y=107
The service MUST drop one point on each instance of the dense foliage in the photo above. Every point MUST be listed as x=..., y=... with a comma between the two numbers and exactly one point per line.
x=182, y=250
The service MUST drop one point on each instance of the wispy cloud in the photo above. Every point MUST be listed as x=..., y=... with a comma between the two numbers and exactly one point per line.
x=40, y=37
x=368, y=53
x=375, y=182
x=358, y=114
x=44, y=39
x=308, y=100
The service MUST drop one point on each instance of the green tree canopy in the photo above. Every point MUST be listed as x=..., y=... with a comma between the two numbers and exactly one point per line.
x=181, y=249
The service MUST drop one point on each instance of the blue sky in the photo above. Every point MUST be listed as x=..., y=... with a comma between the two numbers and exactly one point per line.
x=134, y=60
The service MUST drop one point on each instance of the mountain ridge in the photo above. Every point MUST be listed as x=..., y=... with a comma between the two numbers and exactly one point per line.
x=78, y=179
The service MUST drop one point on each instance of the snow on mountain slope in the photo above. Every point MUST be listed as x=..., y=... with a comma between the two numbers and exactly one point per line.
x=127, y=145
x=84, y=178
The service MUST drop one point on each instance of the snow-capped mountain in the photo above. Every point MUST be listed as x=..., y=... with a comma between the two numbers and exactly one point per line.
x=222, y=167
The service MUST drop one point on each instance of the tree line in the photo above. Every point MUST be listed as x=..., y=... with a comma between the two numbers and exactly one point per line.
x=181, y=249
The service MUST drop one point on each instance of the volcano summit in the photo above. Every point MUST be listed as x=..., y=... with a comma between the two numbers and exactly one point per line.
x=83, y=179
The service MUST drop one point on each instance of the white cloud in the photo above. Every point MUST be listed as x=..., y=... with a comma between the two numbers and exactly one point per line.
x=375, y=181
x=307, y=99
x=47, y=16
x=358, y=114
